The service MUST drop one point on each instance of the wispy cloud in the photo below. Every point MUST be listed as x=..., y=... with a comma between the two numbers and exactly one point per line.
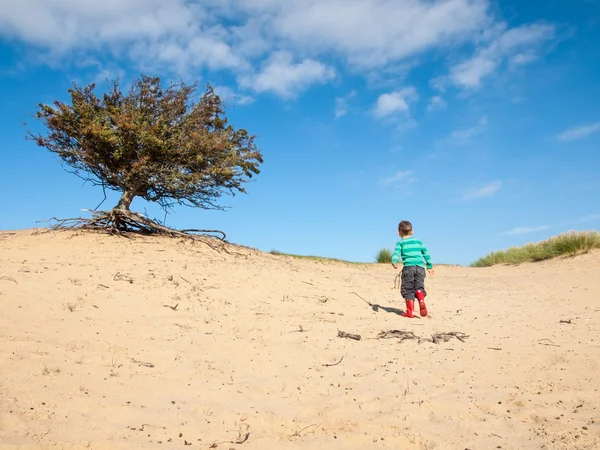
x=483, y=191
x=402, y=177
x=407, y=125
x=571, y=222
x=394, y=102
x=521, y=59
x=579, y=132
x=518, y=46
x=466, y=134
x=436, y=103
x=342, y=104
x=526, y=230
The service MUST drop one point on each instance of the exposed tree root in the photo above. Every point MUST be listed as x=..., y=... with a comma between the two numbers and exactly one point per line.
x=123, y=222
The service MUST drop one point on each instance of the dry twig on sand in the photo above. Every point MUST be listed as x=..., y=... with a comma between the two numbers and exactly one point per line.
x=123, y=277
x=9, y=279
x=398, y=281
x=142, y=363
x=368, y=303
x=435, y=338
x=343, y=334
x=243, y=436
x=334, y=364
x=297, y=433
x=445, y=337
x=398, y=334
x=547, y=342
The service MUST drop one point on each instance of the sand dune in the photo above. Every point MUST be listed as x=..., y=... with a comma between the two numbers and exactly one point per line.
x=90, y=356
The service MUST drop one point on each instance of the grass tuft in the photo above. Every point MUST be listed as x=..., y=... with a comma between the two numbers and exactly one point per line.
x=566, y=244
x=315, y=258
x=384, y=256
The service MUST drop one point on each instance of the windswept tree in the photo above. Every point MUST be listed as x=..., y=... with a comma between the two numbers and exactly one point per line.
x=150, y=142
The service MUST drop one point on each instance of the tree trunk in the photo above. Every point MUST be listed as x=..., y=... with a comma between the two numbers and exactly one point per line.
x=125, y=200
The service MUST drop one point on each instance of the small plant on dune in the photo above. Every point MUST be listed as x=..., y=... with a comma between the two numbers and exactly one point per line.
x=566, y=244
x=384, y=256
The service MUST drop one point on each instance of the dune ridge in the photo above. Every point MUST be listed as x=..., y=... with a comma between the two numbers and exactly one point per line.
x=109, y=343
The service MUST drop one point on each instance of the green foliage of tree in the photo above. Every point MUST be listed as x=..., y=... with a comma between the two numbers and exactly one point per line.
x=151, y=142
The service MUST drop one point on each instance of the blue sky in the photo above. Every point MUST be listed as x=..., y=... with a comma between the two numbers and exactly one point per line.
x=478, y=121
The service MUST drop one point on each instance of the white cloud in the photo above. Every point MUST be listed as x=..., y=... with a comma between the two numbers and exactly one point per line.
x=518, y=45
x=178, y=34
x=483, y=191
x=470, y=72
x=526, y=230
x=436, y=103
x=342, y=104
x=181, y=36
x=579, y=132
x=394, y=102
x=369, y=33
x=286, y=78
x=402, y=177
x=466, y=134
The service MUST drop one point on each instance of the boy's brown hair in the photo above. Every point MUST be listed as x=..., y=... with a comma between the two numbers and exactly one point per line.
x=405, y=228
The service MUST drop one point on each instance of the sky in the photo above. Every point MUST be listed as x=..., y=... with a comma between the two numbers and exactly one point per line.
x=476, y=120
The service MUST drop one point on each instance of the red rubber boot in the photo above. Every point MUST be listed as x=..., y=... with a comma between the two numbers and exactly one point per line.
x=410, y=309
x=421, y=298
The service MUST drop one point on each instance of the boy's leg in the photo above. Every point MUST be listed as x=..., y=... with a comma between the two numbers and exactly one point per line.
x=420, y=290
x=408, y=290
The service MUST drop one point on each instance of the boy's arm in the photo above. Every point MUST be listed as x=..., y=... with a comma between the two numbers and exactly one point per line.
x=426, y=256
x=397, y=252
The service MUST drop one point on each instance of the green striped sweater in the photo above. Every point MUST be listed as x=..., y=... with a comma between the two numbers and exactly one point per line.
x=412, y=252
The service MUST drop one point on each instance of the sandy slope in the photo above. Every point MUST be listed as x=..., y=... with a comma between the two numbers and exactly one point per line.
x=90, y=360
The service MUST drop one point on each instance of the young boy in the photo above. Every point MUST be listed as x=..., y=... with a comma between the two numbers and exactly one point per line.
x=415, y=258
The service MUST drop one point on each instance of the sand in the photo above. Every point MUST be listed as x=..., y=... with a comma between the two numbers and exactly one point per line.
x=114, y=343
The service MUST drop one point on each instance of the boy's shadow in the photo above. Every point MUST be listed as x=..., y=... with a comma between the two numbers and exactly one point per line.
x=388, y=309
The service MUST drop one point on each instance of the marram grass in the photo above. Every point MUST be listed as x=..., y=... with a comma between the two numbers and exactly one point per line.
x=384, y=256
x=313, y=258
x=566, y=244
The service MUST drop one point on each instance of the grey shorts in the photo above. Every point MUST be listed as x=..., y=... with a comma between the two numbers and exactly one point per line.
x=413, y=279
